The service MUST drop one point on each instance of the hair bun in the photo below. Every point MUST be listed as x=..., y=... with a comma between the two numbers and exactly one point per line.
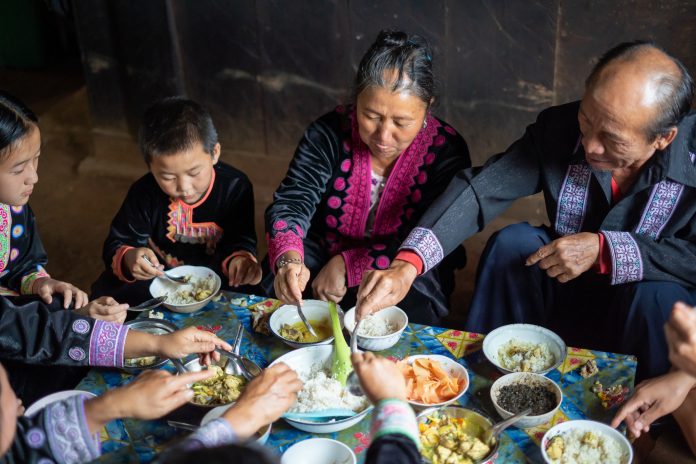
x=391, y=38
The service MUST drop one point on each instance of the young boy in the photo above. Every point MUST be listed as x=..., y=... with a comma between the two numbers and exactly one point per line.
x=190, y=208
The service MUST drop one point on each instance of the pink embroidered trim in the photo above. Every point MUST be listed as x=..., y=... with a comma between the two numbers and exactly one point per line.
x=117, y=262
x=5, y=228
x=27, y=285
x=356, y=205
x=283, y=242
x=357, y=261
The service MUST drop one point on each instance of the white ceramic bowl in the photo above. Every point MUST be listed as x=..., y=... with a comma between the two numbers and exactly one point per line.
x=452, y=368
x=523, y=332
x=318, y=451
x=314, y=310
x=41, y=403
x=587, y=425
x=530, y=379
x=161, y=286
x=393, y=314
x=261, y=435
x=302, y=361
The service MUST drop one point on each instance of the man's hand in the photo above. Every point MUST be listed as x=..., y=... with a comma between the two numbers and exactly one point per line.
x=106, y=309
x=46, y=287
x=380, y=289
x=566, y=258
x=680, y=330
x=151, y=395
x=264, y=400
x=330, y=283
x=243, y=270
x=291, y=280
x=380, y=378
x=653, y=399
x=134, y=263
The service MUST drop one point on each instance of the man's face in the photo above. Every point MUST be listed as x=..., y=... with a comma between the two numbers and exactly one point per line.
x=613, y=135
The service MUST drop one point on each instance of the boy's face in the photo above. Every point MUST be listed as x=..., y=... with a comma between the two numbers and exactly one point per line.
x=19, y=171
x=185, y=175
x=8, y=413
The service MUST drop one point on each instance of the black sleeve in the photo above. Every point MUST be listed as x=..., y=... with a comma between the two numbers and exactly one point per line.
x=393, y=448
x=239, y=230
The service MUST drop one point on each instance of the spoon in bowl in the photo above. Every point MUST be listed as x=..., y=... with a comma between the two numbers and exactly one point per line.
x=353, y=382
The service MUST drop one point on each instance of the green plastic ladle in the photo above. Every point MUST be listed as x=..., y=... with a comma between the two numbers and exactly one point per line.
x=341, y=364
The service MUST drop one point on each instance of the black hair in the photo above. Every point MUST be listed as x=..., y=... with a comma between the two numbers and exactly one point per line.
x=173, y=125
x=409, y=55
x=675, y=91
x=237, y=453
x=16, y=121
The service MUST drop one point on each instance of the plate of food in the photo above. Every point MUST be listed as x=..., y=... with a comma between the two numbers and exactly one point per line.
x=585, y=442
x=433, y=380
x=202, y=284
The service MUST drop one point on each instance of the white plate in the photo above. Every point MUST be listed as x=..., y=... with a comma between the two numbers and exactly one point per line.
x=161, y=286
x=52, y=398
x=318, y=451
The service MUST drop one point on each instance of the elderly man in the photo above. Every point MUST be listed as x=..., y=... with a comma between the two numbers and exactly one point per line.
x=618, y=175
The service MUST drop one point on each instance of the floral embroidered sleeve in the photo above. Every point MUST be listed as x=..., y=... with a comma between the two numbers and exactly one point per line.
x=58, y=433
x=296, y=199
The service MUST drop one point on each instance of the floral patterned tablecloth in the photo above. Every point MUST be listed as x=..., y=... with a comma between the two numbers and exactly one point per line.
x=139, y=441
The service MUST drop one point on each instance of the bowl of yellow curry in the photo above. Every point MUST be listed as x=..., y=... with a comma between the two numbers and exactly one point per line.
x=286, y=324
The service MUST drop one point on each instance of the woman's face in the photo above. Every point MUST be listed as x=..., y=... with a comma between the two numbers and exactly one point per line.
x=389, y=121
x=19, y=170
x=8, y=413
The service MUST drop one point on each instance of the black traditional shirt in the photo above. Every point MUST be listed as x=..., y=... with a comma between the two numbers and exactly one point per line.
x=207, y=233
x=650, y=231
x=327, y=190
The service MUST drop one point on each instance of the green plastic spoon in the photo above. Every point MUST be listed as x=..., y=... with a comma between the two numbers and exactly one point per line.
x=341, y=365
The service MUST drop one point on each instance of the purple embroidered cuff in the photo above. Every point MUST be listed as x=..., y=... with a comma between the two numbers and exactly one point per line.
x=106, y=344
x=67, y=431
x=28, y=280
x=282, y=242
x=215, y=433
x=627, y=264
x=426, y=245
x=572, y=200
x=394, y=416
x=357, y=261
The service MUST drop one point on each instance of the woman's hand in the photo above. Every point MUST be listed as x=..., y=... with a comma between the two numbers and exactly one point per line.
x=680, y=330
x=151, y=395
x=243, y=270
x=191, y=341
x=264, y=400
x=139, y=268
x=330, y=283
x=380, y=289
x=653, y=399
x=106, y=309
x=291, y=280
x=380, y=378
x=46, y=287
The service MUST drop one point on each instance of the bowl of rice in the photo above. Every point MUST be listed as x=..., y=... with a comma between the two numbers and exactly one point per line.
x=585, y=442
x=285, y=323
x=380, y=330
x=512, y=393
x=202, y=285
x=321, y=391
x=524, y=348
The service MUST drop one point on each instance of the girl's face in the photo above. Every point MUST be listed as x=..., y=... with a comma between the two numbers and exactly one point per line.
x=19, y=171
x=8, y=413
x=185, y=175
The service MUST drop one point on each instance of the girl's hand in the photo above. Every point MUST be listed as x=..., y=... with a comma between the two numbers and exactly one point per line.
x=264, y=400
x=243, y=271
x=380, y=378
x=46, y=287
x=330, y=283
x=106, y=309
x=291, y=280
x=139, y=268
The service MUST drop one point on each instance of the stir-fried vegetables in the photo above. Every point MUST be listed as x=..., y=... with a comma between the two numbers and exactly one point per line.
x=446, y=441
x=220, y=389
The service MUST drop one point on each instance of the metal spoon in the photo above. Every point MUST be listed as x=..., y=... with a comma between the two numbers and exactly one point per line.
x=238, y=361
x=304, y=319
x=175, y=279
x=495, y=431
x=179, y=365
x=149, y=304
x=353, y=382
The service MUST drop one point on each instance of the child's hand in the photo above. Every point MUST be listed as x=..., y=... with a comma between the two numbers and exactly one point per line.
x=139, y=268
x=380, y=378
x=46, y=287
x=244, y=271
x=106, y=309
x=264, y=400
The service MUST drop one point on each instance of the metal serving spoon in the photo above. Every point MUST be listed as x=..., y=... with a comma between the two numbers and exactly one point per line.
x=175, y=279
x=353, y=382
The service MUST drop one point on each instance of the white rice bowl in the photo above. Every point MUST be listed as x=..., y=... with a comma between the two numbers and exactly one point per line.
x=527, y=333
x=177, y=299
x=612, y=447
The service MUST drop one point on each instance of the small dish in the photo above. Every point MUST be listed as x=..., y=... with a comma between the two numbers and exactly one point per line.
x=161, y=287
x=318, y=451
x=450, y=366
x=314, y=310
x=395, y=315
x=525, y=333
x=530, y=379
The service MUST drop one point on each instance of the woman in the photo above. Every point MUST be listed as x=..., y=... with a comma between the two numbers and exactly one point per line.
x=360, y=179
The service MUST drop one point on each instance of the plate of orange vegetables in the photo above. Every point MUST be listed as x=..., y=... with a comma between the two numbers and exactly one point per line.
x=433, y=380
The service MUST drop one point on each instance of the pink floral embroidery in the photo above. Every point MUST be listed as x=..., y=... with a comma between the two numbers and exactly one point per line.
x=13, y=254
x=450, y=130
x=280, y=225
x=345, y=165
x=422, y=178
x=416, y=196
x=379, y=246
x=283, y=242
x=357, y=260
x=340, y=184
x=5, y=226
x=382, y=262
x=439, y=140
x=346, y=148
x=429, y=158
x=334, y=202
x=331, y=221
